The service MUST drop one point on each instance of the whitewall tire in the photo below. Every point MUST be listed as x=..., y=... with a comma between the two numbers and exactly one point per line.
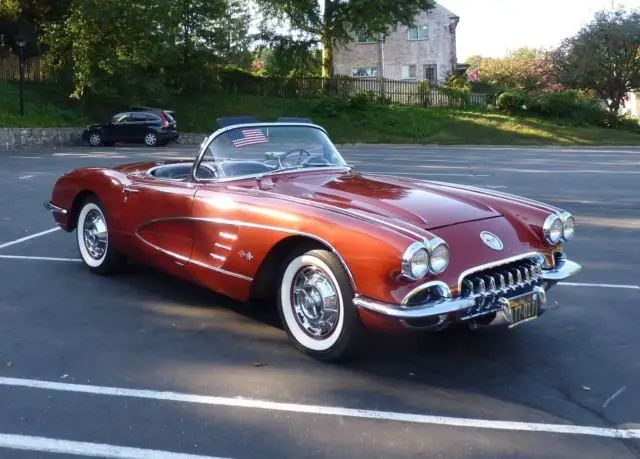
x=316, y=307
x=92, y=236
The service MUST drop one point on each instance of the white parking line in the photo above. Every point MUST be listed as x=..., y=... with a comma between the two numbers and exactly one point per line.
x=21, y=257
x=26, y=238
x=240, y=402
x=54, y=445
x=580, y=284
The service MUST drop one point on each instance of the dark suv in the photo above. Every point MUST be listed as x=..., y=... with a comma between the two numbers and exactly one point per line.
x=150, y=126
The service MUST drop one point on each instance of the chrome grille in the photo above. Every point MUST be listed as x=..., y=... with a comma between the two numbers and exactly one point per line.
x=505, y=281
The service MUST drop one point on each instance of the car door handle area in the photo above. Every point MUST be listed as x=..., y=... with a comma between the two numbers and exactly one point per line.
x=128, y=190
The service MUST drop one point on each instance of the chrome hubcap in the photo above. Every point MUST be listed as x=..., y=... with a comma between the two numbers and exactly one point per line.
x=94, y=139
x=315, y=302
x=95, y=234
x=150, y=139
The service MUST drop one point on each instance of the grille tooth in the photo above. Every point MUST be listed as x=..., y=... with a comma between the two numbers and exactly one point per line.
x=502, y=282
x=469, y=284
x=492, y=283
x=518, y=276
x=510, y=276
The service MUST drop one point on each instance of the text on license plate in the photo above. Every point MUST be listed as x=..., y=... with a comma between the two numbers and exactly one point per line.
x=523, y=309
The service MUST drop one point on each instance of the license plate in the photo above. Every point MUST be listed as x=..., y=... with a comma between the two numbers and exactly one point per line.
x=523, y=309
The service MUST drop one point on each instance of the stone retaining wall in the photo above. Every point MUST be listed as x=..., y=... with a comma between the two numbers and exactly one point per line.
x=33, y=138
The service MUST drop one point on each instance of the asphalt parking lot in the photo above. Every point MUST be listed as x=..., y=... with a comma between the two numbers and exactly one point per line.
x=142, y=365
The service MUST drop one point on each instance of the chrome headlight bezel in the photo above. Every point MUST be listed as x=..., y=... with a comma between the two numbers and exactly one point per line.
x=428, y=247
x=434, y=245
x=568, y=221
x=412, y=251
x=551, y=222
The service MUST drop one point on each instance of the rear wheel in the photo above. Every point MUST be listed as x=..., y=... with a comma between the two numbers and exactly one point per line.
x=92, y=234
x=151, y=139
x=316, y=307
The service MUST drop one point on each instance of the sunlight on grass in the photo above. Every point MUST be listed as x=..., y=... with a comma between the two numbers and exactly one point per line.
x=49, y=106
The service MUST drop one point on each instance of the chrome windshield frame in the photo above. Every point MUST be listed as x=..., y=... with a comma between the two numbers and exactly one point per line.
x=210, y=139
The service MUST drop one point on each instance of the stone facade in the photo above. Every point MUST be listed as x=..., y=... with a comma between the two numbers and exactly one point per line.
x=34, y=138
x=426, y=52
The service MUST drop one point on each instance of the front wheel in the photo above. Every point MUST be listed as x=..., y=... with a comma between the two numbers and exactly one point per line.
x=316, y=307
x=92, y=234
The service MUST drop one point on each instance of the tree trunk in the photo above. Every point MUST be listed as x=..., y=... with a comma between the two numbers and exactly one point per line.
x=327, y=56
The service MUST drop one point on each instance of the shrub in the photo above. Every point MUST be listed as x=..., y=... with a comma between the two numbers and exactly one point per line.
x=513, y=102
x=571, y=106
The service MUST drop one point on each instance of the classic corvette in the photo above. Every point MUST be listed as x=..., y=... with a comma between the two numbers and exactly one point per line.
x=272, y=210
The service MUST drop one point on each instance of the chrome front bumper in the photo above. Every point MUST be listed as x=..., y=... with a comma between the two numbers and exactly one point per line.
x=441, y=307
x=53, y=208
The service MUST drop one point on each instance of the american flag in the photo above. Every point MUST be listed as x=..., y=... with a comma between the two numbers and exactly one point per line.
x=244, y=137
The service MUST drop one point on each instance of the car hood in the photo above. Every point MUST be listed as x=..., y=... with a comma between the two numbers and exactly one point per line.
x=425, y=205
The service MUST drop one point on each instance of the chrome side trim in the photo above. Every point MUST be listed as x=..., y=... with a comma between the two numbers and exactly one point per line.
x=195, y=262
x=225, y=221
x=495, y=264
x=54, y=209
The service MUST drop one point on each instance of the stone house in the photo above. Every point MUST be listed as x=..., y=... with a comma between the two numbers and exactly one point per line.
x=425, y=52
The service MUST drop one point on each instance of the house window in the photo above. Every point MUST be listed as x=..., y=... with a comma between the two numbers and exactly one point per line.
x=431, y=73
x=364, y=72
x=419, y=33
x=408, y=72
x=365, y=37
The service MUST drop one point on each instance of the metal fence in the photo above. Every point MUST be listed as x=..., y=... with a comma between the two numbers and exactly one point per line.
x=391, y=91
x=405, y=92
x=34, y=69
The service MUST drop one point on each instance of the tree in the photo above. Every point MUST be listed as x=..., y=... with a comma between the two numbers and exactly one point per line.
x=525, y=69
x=604, y=56
x=334, y=21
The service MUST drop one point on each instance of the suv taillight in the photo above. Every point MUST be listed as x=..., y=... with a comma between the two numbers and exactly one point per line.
x=165, y=121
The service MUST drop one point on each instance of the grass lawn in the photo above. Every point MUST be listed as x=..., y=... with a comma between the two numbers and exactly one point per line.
x=48, y=106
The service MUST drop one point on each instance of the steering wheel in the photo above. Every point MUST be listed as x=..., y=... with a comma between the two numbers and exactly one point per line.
x=290, y=152
x=308, y=159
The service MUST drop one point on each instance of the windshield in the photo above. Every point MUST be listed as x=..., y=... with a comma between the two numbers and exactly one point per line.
x=260, y=149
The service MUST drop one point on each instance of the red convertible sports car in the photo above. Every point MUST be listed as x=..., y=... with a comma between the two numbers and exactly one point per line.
x=272, y=210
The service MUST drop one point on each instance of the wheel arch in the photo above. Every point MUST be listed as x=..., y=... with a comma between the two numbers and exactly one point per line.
x=265, y=283
x=75, y=207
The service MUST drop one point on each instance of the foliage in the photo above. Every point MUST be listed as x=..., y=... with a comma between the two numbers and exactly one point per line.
x=334, y=21
x=603, y=56
x=512, y=102
x=135, y=49
x=285, y=55
x=525, y=69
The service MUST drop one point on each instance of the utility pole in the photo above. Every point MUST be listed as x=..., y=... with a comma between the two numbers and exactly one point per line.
x=381, y=65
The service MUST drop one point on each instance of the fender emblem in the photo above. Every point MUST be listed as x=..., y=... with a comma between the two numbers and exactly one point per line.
x=246, y=255
x=491, y=240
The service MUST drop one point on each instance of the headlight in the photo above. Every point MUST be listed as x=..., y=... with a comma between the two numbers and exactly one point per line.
x=553, y=229
x=439, y=257
x=415, y=261
x=568, y=226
